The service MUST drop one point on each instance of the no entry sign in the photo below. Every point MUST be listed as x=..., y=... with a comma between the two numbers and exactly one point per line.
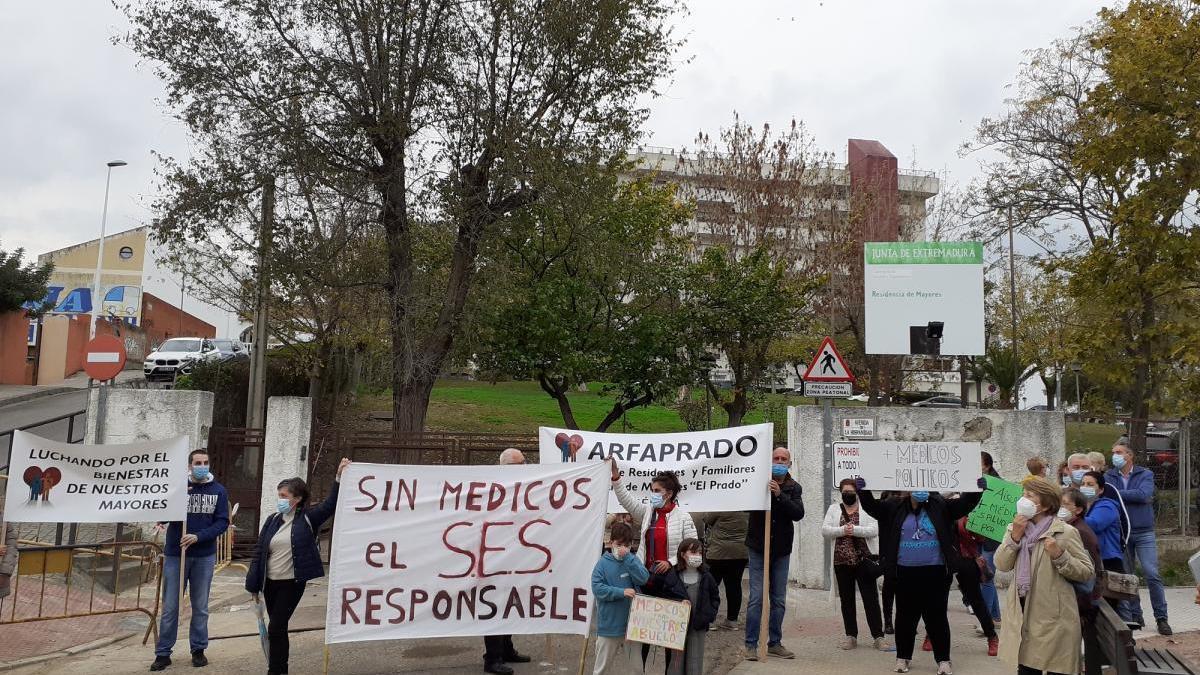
x=104, y=357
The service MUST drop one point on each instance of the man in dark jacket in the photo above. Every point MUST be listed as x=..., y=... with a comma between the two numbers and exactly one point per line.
x=786, y=509
x=1135, y=485
x=207, y=518
x=498, y=649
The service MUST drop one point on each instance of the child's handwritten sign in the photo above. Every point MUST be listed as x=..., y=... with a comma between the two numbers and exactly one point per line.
x=996, y=509
x=655, y=621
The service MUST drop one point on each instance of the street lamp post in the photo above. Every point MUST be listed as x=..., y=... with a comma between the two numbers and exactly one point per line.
x=97, y=299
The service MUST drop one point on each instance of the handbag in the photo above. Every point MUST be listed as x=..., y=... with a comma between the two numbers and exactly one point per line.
x=869, y=567
x=1117, y=586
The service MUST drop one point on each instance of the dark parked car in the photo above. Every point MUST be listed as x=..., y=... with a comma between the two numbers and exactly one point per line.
x=939, y=402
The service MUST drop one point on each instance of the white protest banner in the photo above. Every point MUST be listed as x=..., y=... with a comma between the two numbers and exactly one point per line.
x=54, y=482
x=936, y=466
x=452, y=551
x=720, y=470
x=846, y=458
x=655, y=621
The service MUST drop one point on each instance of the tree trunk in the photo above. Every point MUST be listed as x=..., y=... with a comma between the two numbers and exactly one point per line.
x=737, y=408
x=557, y=389
x=964, y=389
x=619, y=409
x=410, y=407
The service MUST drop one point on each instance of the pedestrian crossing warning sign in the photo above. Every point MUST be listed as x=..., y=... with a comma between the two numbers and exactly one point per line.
x=828, y=365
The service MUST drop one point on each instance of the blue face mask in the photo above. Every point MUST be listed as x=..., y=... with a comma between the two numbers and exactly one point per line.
x=657, y=500
x=200, y=473
x=778, y=470
x=1118, y=461
x=1077, y=475
x=284, y=506
x=921, y=496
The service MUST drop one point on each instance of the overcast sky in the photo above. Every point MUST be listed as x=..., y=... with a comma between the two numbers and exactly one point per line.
x=915, y=75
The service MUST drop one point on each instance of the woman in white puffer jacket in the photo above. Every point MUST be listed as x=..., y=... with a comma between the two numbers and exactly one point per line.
x=662, y=525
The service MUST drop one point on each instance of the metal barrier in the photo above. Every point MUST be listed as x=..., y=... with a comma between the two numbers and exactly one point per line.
x=6, y=436
x=116, y=567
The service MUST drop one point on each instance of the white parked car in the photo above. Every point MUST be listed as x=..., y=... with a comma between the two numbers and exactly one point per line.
x=178, y=354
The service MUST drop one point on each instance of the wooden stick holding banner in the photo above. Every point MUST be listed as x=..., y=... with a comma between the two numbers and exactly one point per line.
x=182, y=556
x=326, y=670
x=583, y=653
x=765, y=614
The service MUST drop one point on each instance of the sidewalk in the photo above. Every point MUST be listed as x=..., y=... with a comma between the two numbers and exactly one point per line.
x=19, y=393
x=37, y=641
x=813, y=628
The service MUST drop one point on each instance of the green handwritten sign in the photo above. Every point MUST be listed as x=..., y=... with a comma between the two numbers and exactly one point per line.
x=996, y=509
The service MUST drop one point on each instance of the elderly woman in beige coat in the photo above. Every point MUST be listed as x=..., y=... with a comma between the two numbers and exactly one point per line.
x=1041, y=630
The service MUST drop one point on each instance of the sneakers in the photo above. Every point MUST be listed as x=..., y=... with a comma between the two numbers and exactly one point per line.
x=849, y=642
x=901, y=666
x=160, y=663
x=497, y=669
x=888, y=628
x=199, y=660
x=751, y=653
x=517, y=658
x=945, y=668
x=993, y=646
x=780, y=651
x=927, y=646
x=1164, y=628
x=881, y=644
x=723, y=624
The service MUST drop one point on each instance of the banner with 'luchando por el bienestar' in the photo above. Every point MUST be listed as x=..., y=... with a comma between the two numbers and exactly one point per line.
x=55, y=482
x=719, y=470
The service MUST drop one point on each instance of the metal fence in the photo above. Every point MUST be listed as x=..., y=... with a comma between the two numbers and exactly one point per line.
x=81, y=580
x=69, y=428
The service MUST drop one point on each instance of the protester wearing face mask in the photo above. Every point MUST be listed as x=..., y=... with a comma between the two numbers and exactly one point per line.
x=615, y=580
x=1078, y=464
x=855, y=534
x=1135, y=485
x=1074, y=505
x=287, y=558
x=987, y=551
x=1064, y=475
x=661, y=523
x=919, y=548
x=689, y=581
x=207, y=518
x=1041, y=631
x=1106, y=516
x=787, y=507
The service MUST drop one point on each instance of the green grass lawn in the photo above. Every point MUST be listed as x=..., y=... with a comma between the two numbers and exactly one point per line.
x=521, y=407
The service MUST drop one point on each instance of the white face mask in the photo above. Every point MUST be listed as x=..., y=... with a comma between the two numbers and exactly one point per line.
x=1064, y=514
x=694, y=561
x=620, y=551
x=1026, y=507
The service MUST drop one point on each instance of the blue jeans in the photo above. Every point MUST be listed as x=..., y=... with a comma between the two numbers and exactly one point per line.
x=1144, y=549
x=779, y=576
x=198, y=574
x=988, y=588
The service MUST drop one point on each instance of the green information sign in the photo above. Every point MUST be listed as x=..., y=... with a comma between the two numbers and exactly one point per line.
x=924, y=253
x=996, y=509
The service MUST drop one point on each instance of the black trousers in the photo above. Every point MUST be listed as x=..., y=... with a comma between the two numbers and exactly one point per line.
x=922, y=593
x=889, y=597
x=498, y=648
x=1026, y=670
x=729, y=572
x=968, y=582
x=848, y=576
x=281, y=599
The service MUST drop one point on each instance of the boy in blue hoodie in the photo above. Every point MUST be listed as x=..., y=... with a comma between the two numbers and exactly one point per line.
x=615, y=579
x=207, y=518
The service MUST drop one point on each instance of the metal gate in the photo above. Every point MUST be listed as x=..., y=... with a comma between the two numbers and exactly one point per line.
x=236, y=455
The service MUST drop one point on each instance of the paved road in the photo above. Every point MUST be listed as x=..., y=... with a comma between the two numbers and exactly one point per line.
x=18, y=415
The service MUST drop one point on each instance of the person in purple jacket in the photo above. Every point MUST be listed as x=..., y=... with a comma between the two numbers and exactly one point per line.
x=1135, y=484
x=207, y=518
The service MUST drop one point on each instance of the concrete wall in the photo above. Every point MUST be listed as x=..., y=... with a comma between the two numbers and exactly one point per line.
x=14, y=327
x=285, y=451
x=118, y=415
x=1010, y=436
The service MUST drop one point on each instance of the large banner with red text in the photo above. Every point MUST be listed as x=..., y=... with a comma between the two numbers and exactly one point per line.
x=445, y=551
x=719, y=470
